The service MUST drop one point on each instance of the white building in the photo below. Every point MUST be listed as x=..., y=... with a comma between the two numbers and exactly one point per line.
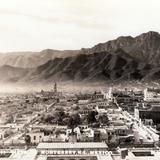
x=2, y=133
x=108, y=95
x=143, y=154
x=152, y=95
x=84, y=148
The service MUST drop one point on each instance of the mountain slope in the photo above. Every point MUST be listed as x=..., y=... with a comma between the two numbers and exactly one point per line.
x=99, y=66
x=125, y=58
x=12, y=74
x=145, y=47
x=33, y=59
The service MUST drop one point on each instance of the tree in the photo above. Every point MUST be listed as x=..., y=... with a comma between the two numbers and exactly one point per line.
x=91, y=117
x=59, y=109
x=103, y=119
x=76, y=108
x=10, y=119
x=47, y=118
x=59, y=116
x=57, y=132
x=8, y=133
x=74, y=121
x=27, y=140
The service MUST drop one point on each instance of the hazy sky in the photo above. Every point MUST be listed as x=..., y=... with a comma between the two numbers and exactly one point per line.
x=72, y=24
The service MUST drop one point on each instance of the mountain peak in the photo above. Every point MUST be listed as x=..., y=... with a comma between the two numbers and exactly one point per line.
x=149, y=35
x=152, y=33
x=121, y=38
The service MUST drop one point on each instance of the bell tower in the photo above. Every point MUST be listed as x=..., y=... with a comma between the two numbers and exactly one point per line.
x=55, y=87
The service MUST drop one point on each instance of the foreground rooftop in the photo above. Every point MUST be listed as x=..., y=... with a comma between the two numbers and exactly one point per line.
x=72, y=145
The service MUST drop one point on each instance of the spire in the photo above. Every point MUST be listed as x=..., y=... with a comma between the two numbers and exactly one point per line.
x=55, y=87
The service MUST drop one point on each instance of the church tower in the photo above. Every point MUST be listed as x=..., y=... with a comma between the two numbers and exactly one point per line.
x=55, y=87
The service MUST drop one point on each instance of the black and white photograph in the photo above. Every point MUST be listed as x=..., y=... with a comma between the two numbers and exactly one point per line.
x=79, y=80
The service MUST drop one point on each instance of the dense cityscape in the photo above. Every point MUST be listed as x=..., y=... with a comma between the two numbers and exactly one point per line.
x=109, y=124
x=79, y=80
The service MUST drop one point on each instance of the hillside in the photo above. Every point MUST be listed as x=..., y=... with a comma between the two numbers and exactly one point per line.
x=32, y=59
x=125, y=58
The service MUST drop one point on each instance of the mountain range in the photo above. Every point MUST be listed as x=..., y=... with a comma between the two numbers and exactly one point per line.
x=33, y=59
x=125, y=58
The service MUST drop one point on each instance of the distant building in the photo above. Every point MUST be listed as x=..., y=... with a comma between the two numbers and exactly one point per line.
x=55, y=87
x=91, y=96
x=54, y=93
x=108, y=95
x=151, y=95
x=105, y=107
x=152, y=112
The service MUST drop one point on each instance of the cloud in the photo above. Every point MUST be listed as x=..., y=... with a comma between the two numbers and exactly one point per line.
x=81, y=14
x=72, y=24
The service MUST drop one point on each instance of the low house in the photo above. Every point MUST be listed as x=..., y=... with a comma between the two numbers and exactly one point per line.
x=2, y=134
x=87, y=135
x=36, y=137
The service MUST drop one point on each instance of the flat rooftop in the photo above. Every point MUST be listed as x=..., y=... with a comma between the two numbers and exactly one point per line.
x=77, y=145
x=72, y=157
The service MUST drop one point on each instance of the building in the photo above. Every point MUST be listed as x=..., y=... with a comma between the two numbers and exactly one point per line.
x=105, y=107
x=142, y=154
x=2, y=134
x=36, y=137
x=108, y=95
x=54, y=93
x=55, y=88
x=91, y=96
x=152, y=112
x=151, y=95
x=84, y=148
